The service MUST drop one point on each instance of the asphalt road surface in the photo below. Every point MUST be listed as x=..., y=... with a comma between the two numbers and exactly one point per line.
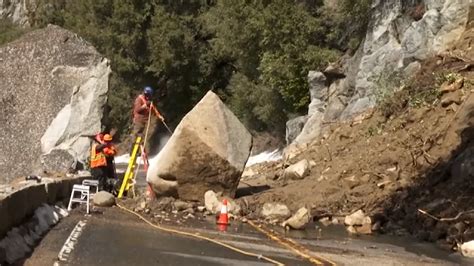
x=110, y=236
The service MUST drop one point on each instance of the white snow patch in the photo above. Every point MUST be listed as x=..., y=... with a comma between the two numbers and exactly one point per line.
x=266, y=156
x=125, y=158
x=20, y=240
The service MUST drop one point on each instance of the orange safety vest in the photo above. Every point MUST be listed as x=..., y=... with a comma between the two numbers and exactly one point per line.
x=97, y=158
x=110, y=151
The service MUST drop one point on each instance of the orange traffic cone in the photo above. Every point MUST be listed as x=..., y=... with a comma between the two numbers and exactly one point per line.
x=150, y=194
x=223, y=218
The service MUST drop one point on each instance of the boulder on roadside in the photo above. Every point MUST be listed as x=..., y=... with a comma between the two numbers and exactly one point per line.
x=298, y=170
x=357, y=218
x=207, y=151
x=358, y=223
x=213, y=203
x=299, y=220
x=467, y=249
x=180, y=205
x=103, y=199
x=277, y=211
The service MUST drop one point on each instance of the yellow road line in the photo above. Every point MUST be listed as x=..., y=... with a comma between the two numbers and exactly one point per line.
x=295, y=247
x=196, y=235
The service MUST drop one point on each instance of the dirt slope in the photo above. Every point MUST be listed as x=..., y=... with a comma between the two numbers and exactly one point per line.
x=391, y=167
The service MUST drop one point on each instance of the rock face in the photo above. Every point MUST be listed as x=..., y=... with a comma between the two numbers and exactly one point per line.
x=294, y=127
x=54, y=87
x=17, y=11
x=207, y=151
x=399, y=35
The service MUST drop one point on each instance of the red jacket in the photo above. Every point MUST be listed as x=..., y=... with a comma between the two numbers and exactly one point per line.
x=141, y=111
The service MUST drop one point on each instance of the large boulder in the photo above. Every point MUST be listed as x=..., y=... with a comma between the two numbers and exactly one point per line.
x=208, y=151
x=53, y=90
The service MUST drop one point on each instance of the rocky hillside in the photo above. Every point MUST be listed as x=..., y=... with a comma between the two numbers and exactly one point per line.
x=400, y=35
x=407, y=163
x=17, y=11
x=54, y=87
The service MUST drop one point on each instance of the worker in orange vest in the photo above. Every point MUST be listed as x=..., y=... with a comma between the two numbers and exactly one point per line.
x=142, y=107
x=102, y=162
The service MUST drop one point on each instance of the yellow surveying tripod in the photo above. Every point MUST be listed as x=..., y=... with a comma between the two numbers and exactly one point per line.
x=129, y=177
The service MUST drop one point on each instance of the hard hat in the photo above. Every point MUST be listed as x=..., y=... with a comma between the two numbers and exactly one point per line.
x=148, y=90
x=107, y=137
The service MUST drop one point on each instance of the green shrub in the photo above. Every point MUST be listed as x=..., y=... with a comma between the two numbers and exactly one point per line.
x=9, y=31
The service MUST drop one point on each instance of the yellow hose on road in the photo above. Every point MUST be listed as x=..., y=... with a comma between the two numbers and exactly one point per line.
x=297, y=249
x=195, y=235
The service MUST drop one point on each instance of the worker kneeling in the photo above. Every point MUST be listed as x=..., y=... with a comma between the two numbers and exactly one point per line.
x=102, y=163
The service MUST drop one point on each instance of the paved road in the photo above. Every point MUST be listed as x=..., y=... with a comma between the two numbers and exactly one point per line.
x=113, y=237
x=117, y=238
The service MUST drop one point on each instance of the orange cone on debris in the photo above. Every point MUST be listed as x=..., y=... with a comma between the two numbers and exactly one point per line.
x=150, y=194
x=223, y=217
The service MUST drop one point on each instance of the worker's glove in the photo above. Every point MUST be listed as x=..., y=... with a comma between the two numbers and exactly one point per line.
x=148, y=103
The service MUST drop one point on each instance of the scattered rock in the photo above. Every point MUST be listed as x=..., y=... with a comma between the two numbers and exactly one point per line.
x=180, y=205
x=451, y=87
x=298, y=170
x=275, y=211
x=211, y=201
x=103, y=199
x=325, y=221
x=351, y=229
x=207, y=151
x=467, y=249
x=189, y=211
x=383, y=183
x=451, y=98
x=299, y=220
x=365, y=229
x=377, y=226
x=201, y=208
x=214, y=204
x=357, y=218
x=189, y=216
